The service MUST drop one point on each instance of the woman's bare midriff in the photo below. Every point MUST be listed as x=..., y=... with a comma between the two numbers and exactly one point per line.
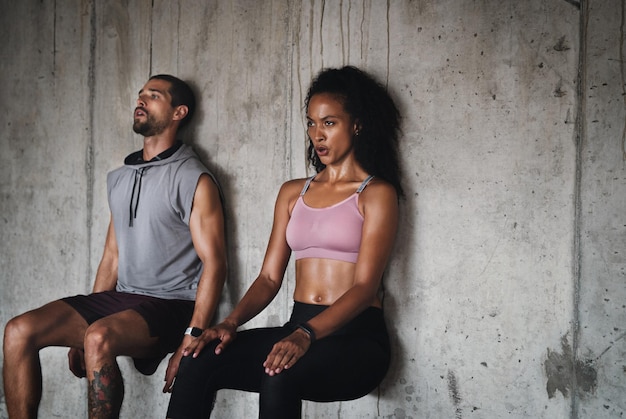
x=323, y=281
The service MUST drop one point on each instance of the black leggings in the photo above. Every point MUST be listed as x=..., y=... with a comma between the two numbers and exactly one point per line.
x=346, y=365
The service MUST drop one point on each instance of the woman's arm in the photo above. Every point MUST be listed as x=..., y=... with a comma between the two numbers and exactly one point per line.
x=268, y=282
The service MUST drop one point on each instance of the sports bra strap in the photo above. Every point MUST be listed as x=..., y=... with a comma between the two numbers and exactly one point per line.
x=364, y=184
x=310, y=179
x=306, y=185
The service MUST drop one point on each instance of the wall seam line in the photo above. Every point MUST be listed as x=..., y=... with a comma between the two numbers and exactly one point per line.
x=89, y=158
x=577, y=251
x=621, y=66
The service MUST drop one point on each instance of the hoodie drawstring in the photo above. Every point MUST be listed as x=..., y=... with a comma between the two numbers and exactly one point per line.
x=136, y=185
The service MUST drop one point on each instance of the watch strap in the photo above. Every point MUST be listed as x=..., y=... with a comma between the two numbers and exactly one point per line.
x=193, y=331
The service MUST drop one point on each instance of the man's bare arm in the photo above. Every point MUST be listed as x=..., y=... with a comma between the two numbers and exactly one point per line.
x=106, y=276
x=207, y=232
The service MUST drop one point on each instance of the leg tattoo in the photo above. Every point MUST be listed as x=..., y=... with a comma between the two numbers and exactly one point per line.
x=105, y=393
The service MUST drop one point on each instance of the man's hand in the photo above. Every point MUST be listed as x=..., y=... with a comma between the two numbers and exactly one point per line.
x=226, y=332
x=172, y=366
x=76, y=358
x=287, y=352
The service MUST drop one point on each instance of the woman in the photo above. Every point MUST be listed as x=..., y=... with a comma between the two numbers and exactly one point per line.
x=340, y=224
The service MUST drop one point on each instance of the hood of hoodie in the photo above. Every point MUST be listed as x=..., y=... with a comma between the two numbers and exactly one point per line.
x=135, y=161
x=178, y=151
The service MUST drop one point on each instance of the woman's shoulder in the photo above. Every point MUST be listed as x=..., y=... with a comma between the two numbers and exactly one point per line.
x=293, y=184
x=380, y=185
x=379, y=190
x=290, y=190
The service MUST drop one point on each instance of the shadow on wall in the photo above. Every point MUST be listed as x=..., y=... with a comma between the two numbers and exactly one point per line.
x=400, y=274
x=188, y=134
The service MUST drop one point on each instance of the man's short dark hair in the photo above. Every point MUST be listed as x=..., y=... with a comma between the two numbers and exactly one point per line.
x=181, y=94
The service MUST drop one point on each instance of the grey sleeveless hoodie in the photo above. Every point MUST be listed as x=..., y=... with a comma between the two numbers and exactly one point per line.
x=151, y=204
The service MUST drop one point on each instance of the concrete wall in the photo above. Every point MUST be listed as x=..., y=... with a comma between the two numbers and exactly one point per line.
x=506, y=295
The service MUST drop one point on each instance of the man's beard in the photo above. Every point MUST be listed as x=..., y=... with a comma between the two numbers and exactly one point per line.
x=150, y=127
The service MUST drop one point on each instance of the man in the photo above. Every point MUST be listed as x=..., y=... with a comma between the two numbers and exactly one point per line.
x=164, y=248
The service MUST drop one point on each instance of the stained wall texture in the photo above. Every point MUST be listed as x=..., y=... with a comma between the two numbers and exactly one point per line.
x=506, y=294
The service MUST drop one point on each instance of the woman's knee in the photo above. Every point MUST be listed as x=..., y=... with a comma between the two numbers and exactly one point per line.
x=194, y=371
x=194, y=390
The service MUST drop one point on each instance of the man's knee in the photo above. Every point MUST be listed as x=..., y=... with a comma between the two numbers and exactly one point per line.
x=98, y=340
x=55, y=324
x=18, y=333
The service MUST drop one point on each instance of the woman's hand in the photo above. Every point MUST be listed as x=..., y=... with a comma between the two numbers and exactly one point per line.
x=226, y=332
x=287, y=352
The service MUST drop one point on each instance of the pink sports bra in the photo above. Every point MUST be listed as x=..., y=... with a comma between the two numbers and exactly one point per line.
x=333, y=232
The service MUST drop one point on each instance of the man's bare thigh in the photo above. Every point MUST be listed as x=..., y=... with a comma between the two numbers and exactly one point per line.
x=54, y=324
x=128, y=334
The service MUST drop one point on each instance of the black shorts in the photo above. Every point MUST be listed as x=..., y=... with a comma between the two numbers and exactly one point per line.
x=166, y=319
